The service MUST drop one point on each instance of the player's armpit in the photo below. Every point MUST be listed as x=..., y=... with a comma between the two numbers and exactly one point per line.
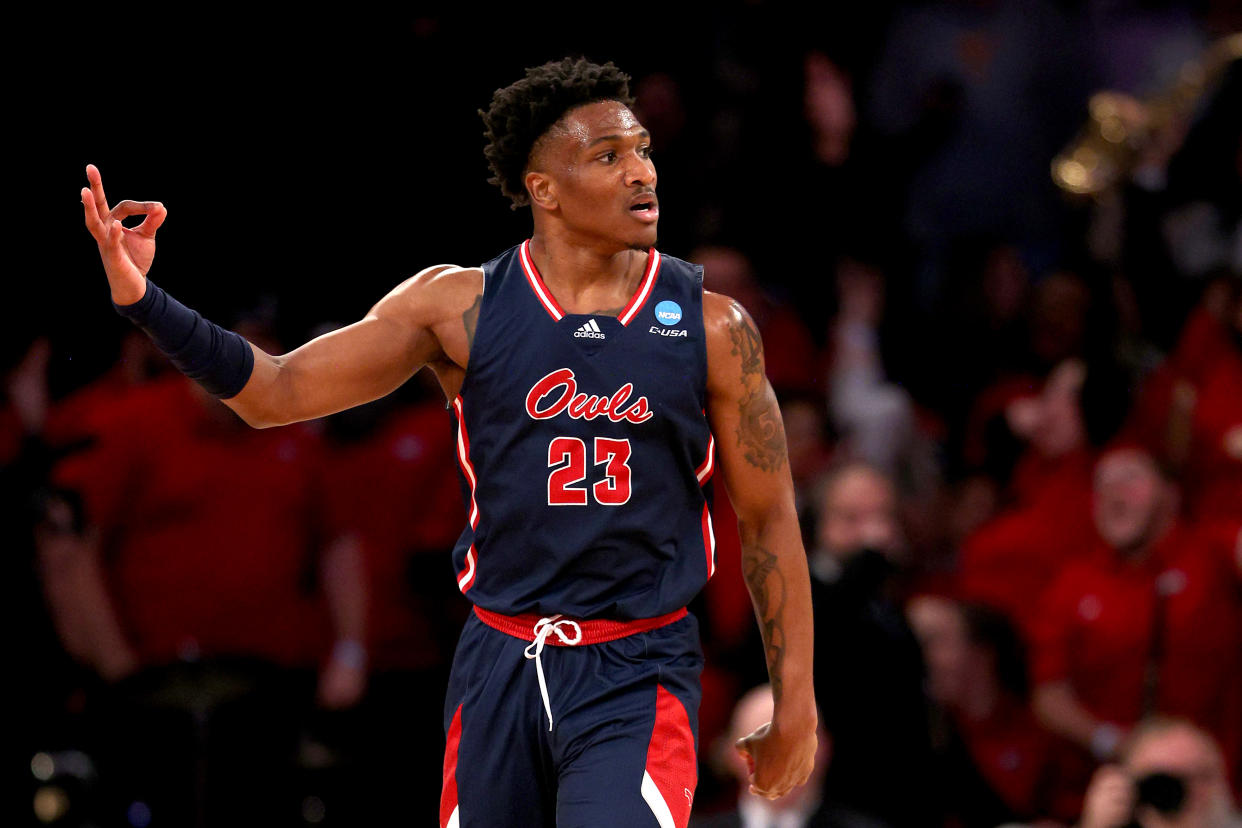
x=423, y=320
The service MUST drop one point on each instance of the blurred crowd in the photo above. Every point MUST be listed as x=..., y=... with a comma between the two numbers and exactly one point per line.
x=1014, y=420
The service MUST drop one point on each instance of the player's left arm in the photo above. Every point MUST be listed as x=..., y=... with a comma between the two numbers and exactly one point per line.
x=750, y=441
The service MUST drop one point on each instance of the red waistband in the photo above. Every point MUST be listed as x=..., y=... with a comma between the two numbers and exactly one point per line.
x=593, y=632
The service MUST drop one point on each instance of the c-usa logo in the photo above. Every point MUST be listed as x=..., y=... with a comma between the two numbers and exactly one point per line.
x=668, y=313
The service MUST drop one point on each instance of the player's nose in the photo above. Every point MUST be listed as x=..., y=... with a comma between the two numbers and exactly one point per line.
x=640, y=172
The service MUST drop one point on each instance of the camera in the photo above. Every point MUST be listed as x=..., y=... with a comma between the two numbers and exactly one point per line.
x=1164, y=792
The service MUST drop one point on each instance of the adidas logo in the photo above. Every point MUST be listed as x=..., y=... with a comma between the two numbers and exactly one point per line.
x=589, y=331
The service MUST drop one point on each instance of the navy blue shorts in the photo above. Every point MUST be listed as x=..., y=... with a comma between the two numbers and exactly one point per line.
x=623, y=743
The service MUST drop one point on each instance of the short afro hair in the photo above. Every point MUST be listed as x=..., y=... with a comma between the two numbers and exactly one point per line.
x=522, y=112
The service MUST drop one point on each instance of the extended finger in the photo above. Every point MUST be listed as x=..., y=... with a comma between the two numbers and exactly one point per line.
x=101, y=203
x=93, y=223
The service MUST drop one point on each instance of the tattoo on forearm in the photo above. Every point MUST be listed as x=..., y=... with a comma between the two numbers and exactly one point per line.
x=471, y=320
x=760, y=434
x=768, y=590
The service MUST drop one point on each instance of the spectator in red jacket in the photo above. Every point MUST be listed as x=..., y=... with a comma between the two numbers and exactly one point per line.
x=1154, y=625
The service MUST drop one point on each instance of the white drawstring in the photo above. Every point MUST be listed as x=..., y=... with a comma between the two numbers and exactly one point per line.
x=543, y=628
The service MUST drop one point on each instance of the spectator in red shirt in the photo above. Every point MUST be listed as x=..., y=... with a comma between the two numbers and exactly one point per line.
x=1190, y=413
x=1152, y=626
x=1213, y=469
x=995, y=763
x=193, y=593
x=1008, y=562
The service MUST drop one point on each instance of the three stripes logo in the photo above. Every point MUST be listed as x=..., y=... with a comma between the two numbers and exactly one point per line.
x=589, y=331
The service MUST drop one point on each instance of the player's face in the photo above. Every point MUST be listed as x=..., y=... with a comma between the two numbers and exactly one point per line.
x=600, y=161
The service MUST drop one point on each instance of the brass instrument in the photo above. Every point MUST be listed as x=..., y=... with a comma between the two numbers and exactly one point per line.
x=1120, y=127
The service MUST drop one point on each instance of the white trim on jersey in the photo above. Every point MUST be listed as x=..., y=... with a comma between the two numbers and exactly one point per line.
x=655, y=801
x=536, y=283
x=466, y=579
x=640, y=298
x=705, y=471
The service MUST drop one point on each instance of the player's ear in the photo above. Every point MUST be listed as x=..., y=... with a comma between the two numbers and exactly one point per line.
x=542, y=190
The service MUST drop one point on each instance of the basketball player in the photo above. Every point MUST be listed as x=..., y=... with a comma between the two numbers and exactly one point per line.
x=590, y=375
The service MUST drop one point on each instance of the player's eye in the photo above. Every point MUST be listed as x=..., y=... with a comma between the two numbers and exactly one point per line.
x=645, y=151
x=608, y=157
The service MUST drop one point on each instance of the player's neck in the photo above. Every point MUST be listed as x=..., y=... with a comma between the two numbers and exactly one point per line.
x=585, y=278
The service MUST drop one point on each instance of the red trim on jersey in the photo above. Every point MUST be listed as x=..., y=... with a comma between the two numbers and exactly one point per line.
x=554, y=309
x=671, y=762
x=595, y=631
x=448, y=793
x=466, y=579
x=536, y=283
x=709, y=541
x=704, y=472
x=644, y=290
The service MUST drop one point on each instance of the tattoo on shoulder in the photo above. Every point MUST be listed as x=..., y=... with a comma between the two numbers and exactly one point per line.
x=767, y=587
x=760, y=433
x=470, y=319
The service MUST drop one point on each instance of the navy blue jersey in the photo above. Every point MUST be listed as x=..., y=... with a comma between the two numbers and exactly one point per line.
x=584, y=448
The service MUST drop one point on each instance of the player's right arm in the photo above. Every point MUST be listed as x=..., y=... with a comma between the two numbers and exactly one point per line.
x=360, y=362
x=419, y=323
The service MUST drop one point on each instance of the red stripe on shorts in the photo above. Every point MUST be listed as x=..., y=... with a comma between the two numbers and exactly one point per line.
x=448, y=794
x=671, y=760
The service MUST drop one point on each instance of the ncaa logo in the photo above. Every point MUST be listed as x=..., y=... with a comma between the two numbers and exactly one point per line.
x=668, y=312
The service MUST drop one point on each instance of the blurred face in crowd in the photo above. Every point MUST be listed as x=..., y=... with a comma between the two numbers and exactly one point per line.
x=1058, y=317
x=1183, y=752
x=858, y=510
x=1134, y=505
x=962, y=673
x=728, y=271
x=752, y=712
x=804, y=436
x=941, y=632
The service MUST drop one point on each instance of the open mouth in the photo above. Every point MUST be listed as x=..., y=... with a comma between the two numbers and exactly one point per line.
x=647, y=210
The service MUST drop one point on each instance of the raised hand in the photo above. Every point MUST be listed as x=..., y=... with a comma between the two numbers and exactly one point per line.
x=126, y=252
